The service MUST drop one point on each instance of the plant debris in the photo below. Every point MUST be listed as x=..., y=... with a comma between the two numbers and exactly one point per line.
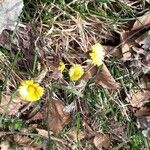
x=92, y=61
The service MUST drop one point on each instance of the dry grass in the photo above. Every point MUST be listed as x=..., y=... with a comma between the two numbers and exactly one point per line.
x=67, y=30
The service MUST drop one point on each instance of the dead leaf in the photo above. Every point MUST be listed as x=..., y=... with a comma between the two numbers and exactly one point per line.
x=101, y=142
x=145, y=82
x=25, y=141
x=11, y=107
x=102, y=77
x=139, y=98
x=27, y=41
x=57, y=116
x=143, y=111
x=144, y=41
x=9, y=10
x=75, y=134
x=105, y=79
x=140, y=61
x=36, y=116
x=117, y=128
x=125, y=45
x=143, y=123
x=42, y=132
x=142, y=21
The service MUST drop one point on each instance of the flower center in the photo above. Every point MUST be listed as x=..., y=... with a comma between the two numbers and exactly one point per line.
x=31, y=89
x=77, y=73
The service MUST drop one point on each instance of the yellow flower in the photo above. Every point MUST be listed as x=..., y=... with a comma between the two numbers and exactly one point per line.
x=97, y=54
x=30, y=91
x=75, y=72
x=61, y=66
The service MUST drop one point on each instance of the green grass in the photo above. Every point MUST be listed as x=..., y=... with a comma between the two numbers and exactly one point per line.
x=67, y=24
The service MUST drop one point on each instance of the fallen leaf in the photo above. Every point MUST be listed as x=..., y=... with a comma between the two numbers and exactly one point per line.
x=57, y=116
x=139, y=98
x=117, y=128
x=101, y=142
x=25, y=40
x=144, y=41
x=9, y=10
x=36, y=116
x=55, y=73
x=102, y=77
x=143, y=123
x=10, y=106
x=75, y=134
x=106, y=80
x=140, y=61
x=145, y=82
x=125, y=45
x=142, y=21
x=42, y=132
x=25, y=141
x=143, y=111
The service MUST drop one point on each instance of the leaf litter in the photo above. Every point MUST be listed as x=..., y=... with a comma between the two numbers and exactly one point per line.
x=50, y=50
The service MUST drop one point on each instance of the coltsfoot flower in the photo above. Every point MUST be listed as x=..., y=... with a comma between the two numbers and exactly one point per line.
x=61, y=66
x=75, y=72
x=97, y=54
x=30, y=91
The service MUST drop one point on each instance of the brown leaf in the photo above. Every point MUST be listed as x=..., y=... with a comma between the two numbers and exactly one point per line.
x=102, y=141
x=58, y=118
x=125, y=46
x=143, y=111
x=105, y=79
x=25, y=40
x=139, y=98
x=75, y=134
x=36, y=115
x=140, y=61
x=42, y=132
x=144, y=124
x=117, y=128
x=25, y=141
x=143, y=40
x=145, y=82
x=102, y=77
x=11, y=107
x=142, y=21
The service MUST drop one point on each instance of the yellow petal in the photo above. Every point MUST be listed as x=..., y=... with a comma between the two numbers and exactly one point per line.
x=75, y=72
x=61, y=66
x=30, y=91
x=97, y=54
